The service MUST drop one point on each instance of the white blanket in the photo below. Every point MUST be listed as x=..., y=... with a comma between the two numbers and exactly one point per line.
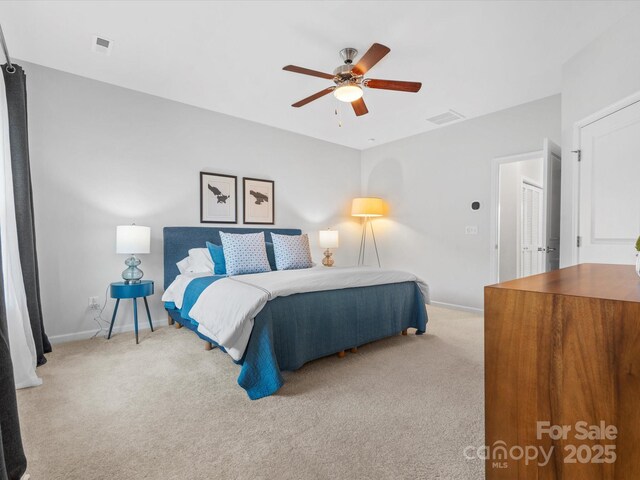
x=225, y=310
x=175, y=292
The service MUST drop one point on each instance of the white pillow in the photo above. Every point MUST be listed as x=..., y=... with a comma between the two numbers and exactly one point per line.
x=200, y=261
x=245, y=253
x=183, y=265
x=292, y=251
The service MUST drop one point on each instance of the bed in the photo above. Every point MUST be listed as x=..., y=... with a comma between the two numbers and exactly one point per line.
x=293, y=329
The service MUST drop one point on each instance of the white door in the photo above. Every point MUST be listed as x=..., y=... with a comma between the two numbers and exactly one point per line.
x=551, y=224
x=532, y=252
x=609, y=220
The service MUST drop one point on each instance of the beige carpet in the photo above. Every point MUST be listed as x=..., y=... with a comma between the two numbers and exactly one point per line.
x=401, y=408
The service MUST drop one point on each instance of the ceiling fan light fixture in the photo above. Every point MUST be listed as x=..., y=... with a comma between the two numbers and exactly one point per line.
x=348, y=93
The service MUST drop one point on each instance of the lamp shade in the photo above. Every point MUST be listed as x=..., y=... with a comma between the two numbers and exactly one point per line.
x=328, y=238
x=366, y=207
x=133, y=239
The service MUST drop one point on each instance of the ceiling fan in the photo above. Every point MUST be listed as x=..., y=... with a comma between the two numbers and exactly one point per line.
x=349, y=79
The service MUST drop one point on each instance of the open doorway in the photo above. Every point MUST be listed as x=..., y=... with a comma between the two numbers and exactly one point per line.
x=526, y=213
x=521, y=189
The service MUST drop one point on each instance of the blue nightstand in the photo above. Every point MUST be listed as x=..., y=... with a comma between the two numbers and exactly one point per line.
x=120, y=290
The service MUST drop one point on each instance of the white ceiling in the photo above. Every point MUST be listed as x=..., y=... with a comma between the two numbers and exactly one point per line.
x=473, y=57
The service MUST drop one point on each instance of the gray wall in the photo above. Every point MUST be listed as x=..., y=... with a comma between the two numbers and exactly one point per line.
x=430, y=180
x=103, y=156
x=606, y=71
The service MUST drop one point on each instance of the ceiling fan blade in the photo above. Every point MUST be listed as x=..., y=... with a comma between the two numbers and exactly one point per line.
x=306, y=71
x=369, y=59
x=313, y=97
x=359, y=107
x=393, y=85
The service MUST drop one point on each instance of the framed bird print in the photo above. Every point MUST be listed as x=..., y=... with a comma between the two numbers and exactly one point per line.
x=218, y=198
x=258, y=201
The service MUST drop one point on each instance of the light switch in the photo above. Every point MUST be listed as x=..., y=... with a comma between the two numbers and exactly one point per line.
x=471, y=230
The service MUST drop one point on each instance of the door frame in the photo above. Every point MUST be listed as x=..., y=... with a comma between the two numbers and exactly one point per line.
x=494, y=224
x=575, y=175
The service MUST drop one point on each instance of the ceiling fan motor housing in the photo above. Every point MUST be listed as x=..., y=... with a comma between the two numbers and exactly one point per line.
x=343, y=73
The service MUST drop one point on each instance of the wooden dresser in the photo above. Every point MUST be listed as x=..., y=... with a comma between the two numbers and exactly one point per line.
x=563, y=348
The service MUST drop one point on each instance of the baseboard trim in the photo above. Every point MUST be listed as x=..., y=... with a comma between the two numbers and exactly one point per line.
x=72, y=337
x=454, y=306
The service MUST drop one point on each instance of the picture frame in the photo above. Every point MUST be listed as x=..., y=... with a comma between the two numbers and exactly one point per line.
x=259, y=201
x=218, y=198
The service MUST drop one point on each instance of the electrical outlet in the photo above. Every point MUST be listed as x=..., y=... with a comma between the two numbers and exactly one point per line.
x=93, y=303
x=471, y=230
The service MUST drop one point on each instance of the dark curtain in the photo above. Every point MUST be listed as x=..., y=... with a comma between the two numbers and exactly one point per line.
x=16, y=86
x=12, y=460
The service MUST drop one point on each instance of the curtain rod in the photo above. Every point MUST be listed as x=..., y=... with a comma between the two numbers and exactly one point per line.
x=10, y=67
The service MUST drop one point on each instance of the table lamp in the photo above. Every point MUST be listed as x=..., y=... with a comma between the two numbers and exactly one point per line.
x=328, y=239
x=367, y=208
x=132, y=239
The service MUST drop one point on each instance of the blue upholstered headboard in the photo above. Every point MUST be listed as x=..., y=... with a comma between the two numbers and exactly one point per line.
x=178, y=241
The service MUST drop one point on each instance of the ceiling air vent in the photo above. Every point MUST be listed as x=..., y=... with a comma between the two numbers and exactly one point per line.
x=447, y=117
x=102, y=45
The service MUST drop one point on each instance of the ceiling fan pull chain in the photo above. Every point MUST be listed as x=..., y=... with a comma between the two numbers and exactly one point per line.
x=337, y=111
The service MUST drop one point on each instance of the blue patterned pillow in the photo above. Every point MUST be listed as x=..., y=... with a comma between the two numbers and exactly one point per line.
x=244, y=253
x=292, y=251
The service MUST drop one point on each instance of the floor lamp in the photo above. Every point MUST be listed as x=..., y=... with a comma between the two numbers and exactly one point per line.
x=367, y=208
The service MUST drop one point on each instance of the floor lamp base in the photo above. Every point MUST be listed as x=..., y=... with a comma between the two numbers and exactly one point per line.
x=363, y=242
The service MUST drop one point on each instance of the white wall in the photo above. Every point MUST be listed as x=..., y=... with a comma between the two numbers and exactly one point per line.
x=102, y=156
x=511, y=175
x=430, y=181
x=604, y=72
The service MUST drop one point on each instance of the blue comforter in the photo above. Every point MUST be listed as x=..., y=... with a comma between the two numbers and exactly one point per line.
x=293, y=330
